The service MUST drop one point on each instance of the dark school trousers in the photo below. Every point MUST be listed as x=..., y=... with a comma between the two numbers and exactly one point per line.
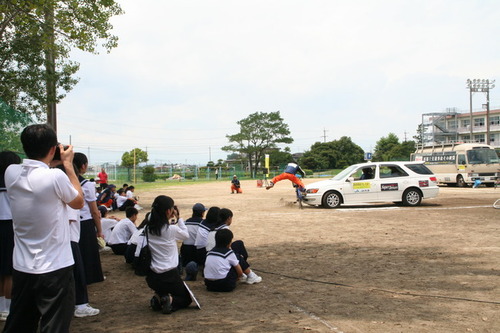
x=170, y=282
x=81, y=295
x=239, y=249
x=119, y=248
x=47, y=298
x=223, y=285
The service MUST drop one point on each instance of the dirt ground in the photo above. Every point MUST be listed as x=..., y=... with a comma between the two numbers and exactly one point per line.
x=377, y=268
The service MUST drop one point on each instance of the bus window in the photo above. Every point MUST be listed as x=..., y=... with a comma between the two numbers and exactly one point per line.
x=482, y=156
x=461, y=159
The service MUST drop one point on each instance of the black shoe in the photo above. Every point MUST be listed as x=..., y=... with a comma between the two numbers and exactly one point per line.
x=166, y=307
x=155, y=303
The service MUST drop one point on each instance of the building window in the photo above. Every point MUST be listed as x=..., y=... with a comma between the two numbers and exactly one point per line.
x=478, y=122
x=479, y=137
x=465, y=122
x=495, y=120
x=465, y=138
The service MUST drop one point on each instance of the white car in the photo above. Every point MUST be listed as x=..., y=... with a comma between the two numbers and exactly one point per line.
x=406, y=182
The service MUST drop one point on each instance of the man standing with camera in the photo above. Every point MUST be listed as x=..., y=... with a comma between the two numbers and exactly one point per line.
x=43, y=285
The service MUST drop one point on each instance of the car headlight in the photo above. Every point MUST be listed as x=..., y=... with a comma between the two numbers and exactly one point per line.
x=312, y=190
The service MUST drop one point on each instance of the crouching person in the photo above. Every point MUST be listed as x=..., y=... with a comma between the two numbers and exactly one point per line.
x=164, y=228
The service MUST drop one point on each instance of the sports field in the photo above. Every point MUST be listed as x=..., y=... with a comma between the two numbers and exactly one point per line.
x=380, y=268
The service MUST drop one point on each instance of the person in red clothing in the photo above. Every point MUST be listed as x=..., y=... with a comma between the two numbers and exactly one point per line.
x=290, y=171
x=103, y=179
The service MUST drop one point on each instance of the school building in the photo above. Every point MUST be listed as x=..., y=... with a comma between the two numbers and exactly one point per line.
x=455, y=126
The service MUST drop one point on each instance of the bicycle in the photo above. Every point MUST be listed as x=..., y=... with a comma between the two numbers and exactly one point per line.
x=300, y=196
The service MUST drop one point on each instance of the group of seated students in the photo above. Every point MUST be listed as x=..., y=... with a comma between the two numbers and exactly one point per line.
x=207, y=246
x=119, y=199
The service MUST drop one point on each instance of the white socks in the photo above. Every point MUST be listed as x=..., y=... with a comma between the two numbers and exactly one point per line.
x=4, y=304
x=251, y=275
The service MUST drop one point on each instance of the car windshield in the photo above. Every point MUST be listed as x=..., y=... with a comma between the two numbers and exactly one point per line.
x=345, y=173
x=482, y=156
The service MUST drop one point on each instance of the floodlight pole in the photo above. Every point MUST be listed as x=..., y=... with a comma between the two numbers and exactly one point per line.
x=478, y=85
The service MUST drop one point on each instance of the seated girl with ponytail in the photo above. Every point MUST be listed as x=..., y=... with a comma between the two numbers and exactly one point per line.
x=164, y=228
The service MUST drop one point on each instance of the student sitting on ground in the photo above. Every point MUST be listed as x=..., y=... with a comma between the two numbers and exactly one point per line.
x=123, y=231
x=188, y=249
x=222, y=267
x=122, y=202
x=107, y=222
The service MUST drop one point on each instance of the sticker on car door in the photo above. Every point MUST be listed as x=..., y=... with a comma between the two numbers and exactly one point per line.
x=389, y=187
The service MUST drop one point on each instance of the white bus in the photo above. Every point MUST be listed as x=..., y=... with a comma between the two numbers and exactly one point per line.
x=461, y=164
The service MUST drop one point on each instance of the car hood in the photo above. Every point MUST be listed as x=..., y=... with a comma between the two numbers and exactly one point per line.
x=322, y=183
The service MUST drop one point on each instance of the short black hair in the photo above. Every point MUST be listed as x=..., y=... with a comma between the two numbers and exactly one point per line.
x=80, y=159
x=7, y=158
x=223, y=237
x=131, y=211
x=225, y=214
x=37, y=140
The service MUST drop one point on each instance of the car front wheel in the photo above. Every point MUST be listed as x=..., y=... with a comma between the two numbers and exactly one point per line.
x=332, y=200
x=412, y=197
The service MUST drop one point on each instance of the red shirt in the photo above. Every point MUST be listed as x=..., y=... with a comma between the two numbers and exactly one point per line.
x=103, y=177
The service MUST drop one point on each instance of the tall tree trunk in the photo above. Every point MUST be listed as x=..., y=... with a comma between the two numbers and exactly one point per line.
x=50, y=65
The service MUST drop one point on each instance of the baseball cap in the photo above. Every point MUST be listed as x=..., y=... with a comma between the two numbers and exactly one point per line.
x=199, y=207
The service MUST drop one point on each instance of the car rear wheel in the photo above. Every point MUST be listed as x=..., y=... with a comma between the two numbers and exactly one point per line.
x=412, y=197
x=331, y=199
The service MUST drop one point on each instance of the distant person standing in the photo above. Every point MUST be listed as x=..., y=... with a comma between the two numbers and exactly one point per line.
x=103, y=179
x=43, y=291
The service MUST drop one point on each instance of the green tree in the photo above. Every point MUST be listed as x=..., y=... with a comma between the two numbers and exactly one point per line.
x=259, y=132
x=148, y=174
x=134, y=157
x=36, y=38
x=11, y=125
x=332, y=155
x=278, y=157
x=390, y=149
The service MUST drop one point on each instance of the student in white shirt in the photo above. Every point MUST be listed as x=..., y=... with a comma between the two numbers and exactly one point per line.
x=43, y=292
x=164, y=229
x=90, y=225
x=123, y=231
x=6, y=236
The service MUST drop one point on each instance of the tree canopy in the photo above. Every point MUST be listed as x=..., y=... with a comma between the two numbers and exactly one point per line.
x=335, y=154
x=134, y=157
x=390, y=149
x=31, y=29
x=259, y=132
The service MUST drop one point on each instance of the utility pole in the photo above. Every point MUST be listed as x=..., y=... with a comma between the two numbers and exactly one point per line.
x=478, y=85
x=324, y=135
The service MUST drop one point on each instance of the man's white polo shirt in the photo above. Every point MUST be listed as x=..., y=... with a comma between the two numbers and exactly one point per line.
x=38, y=197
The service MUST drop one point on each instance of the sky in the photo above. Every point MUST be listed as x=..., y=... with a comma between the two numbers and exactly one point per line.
x=186, y=71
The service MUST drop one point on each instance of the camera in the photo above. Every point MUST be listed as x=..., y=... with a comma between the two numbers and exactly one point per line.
x=57, y=155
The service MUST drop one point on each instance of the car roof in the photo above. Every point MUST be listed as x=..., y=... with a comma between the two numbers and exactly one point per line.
x=388, y=162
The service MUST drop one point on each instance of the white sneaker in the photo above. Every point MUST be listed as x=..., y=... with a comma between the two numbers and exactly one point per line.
x=244, y=278
x=253, y=279
x=136, y=206
x=86, y=311
x=3, y=315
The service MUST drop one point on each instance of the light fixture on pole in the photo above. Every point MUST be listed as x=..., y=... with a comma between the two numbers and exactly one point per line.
x=478, y=85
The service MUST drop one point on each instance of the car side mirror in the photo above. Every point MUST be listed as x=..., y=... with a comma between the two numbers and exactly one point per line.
x=349, y=179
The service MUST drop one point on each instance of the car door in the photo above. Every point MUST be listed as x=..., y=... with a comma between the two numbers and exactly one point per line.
x=360, y=188
x=393, y=181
